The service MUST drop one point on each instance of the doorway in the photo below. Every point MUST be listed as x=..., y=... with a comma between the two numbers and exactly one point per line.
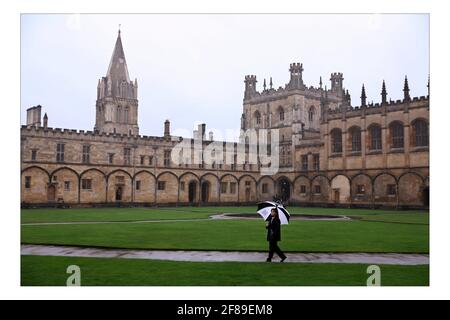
x=51, y=193
x=337, y=195
x=426, y=196
x=119, y=192
x=284, y=189
x=247, y=194
x=205, y=192
x=192, y=192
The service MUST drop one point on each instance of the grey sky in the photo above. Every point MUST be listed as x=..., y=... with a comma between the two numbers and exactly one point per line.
x=190, y=68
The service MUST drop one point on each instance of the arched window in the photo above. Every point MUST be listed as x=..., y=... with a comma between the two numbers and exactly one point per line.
x=336, y=141
x=118, y=114
x=281, y=113
x=126, y=115
x=311, y=113
x=375, y=137
x=420, y=128
x=397, y=135
x=258, y=118
x=355, y=136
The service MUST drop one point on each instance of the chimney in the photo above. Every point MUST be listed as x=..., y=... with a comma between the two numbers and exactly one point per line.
x=34, y=116
x=202, y=131
x=167, y=129
x=211, y=136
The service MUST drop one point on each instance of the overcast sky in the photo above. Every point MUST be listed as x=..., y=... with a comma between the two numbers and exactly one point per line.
x=191, y=68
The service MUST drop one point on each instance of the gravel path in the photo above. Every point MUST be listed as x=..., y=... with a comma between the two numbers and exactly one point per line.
x=221, y=256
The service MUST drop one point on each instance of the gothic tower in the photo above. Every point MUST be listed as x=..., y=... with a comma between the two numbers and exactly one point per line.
x=117, y=104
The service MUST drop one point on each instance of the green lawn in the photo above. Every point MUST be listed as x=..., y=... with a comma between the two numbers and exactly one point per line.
x=143, y=214
x=51, y=271
x=304, y=236
x=109, y=214
x=370, y=231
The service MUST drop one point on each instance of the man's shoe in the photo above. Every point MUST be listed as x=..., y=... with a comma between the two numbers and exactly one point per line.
x=282, y=260
x=268, y=260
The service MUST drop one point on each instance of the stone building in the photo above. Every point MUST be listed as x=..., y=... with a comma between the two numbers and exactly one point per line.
x=331, y=153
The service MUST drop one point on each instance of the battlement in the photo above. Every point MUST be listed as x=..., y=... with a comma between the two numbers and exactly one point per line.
x=296, y=66
x=337, y=75
x=373, y=108
x=295, y=86
x=91, y=135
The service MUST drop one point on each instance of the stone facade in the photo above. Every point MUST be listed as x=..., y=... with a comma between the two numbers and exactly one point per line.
x=331, y=153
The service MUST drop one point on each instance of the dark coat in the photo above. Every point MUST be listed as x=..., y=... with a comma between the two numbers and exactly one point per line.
x=274, y=229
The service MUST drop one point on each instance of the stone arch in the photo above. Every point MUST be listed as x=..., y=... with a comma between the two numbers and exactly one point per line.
x=381, y=188
x=147, y=185
x=340, y=189
x=38, y=168
x=361, y=188
x=66, y=184
x=410, y=189
x=189, y=187
x=114, y=172
x=170, y=192
x=120, y=186
x=97, y=193
x=266, y=183
x=64, y=168
x=38, y=184
x=301, y=183
x=231, y=194
x=247, y=189
x=323, y=183
x=209, y=184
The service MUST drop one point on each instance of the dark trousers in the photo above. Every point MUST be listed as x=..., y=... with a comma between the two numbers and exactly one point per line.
x=274, y=248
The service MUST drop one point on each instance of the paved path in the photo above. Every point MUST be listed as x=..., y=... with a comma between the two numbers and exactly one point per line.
x=220, y=256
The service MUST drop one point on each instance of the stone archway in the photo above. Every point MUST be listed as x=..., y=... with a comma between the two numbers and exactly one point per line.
x=340, y=186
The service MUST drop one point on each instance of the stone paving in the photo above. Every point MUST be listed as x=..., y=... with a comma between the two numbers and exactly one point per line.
x=225, y=256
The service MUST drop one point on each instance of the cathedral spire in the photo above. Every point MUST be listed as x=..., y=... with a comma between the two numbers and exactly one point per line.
x=118, y=70
x=117, y=102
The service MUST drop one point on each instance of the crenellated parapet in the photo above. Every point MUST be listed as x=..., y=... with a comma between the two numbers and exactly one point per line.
x=374, y=108
x=293, y=87
x=93, y=136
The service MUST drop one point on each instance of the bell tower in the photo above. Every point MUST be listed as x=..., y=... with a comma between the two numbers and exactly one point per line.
x=117, y=104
